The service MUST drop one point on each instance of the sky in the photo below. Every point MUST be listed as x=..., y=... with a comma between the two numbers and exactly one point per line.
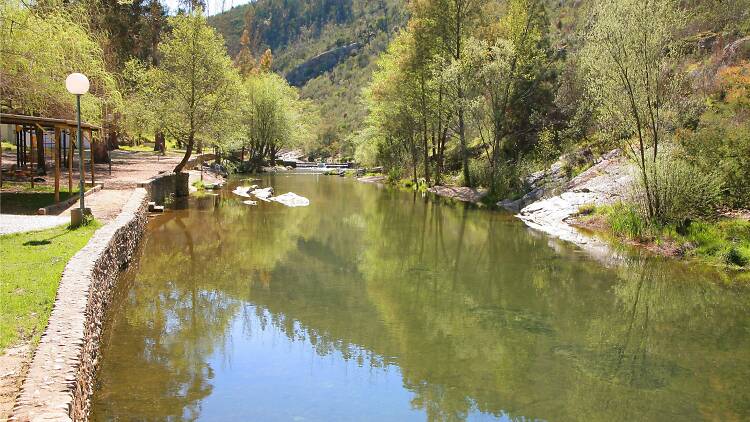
x=214, y=6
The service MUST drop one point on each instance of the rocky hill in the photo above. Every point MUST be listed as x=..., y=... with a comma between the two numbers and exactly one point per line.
x=327, y=48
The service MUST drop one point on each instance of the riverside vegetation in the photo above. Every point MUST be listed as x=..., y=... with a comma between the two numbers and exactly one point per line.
x=478, y=93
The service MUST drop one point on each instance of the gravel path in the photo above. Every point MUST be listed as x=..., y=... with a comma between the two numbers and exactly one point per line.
x=26, y=223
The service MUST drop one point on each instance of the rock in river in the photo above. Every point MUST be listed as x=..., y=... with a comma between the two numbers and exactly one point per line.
x=291, y=200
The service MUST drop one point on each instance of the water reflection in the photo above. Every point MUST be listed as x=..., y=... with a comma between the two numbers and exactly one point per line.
x=380, y=305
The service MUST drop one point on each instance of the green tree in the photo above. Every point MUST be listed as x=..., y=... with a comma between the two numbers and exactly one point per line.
x=271, y=117
x=630, y=54
x=508, y=73
x=192, y=89
x=393, y=98
x=40, y=49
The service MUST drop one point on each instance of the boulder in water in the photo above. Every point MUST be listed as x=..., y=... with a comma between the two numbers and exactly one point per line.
x=242, y=191
x=263, y=194
x=291, y=200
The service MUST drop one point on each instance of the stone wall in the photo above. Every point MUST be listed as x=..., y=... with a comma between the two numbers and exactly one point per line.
x=59, y=382
x=162, y=186
x=60, y=379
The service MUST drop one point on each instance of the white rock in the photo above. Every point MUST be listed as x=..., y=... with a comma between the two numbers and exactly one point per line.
x=242, y=191
x=263, y=194
x=248, y=202
x=291, y=199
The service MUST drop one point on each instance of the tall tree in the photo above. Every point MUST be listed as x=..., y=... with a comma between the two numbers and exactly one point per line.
x=193, y=85
x=508, y=72
x=630, y=54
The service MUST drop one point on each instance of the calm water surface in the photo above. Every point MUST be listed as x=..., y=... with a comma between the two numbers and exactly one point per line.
x=379, y=305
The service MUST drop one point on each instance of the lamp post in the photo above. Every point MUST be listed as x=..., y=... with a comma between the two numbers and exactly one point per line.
x=78, y=84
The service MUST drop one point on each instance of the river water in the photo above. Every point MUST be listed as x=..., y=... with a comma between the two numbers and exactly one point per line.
x=374, y=304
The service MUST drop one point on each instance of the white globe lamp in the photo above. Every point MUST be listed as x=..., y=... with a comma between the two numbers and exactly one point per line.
x=77, y=83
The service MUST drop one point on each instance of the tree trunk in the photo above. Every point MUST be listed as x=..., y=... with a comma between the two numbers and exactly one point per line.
x=160, y=143
x=100, y=151
x=188, y=152
x=464, y=148
x=40, y=159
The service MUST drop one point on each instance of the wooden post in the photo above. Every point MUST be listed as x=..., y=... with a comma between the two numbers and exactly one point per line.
x=57, y=164
x=91, y=154
x=31, y=164
x=18, y=147
x=70, y=163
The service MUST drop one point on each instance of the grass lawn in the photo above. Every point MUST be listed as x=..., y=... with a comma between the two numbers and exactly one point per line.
x=32, y=264
x=7, y=146
x=138, y=148
x=21, y=198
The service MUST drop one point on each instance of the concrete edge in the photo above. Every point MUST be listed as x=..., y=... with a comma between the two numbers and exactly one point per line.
x=63, y=205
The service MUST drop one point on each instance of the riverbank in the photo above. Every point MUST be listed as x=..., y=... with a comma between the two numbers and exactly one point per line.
x=61, y=366
x=33, y=263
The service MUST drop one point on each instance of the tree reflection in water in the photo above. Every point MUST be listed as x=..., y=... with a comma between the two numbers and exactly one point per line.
x=477, y=316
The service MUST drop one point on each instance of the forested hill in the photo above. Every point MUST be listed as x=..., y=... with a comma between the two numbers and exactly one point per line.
x=326, y=47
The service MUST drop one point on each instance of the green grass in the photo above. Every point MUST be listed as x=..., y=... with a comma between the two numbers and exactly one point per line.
x=21, y=198
x=138, y=148
x=7, y=146
x=200, y=185
x=32, y=264
x=725, y=242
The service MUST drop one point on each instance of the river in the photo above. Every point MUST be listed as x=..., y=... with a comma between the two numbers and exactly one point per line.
x=374, y=304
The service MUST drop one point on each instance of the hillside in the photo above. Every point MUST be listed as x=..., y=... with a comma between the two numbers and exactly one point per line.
x=327, y=48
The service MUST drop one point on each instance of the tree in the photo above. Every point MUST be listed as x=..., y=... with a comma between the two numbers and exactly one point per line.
x=40, y=49
x=507, y=73
x=630, y=54
x=192, y=88
x=271, y=117
x=393, y=101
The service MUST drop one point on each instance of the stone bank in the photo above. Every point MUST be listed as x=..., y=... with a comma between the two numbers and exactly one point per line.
x=59, y=382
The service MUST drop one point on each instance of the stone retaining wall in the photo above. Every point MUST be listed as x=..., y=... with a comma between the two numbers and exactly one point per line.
x=164, y=185
x=59, y=382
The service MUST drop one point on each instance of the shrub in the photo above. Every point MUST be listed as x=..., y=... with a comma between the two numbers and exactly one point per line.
x=394, y=175
x=626, y=221
x=680, y=191
x=733, y=256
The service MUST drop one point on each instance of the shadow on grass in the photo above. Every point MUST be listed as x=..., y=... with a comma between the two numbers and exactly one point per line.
x=27, y=203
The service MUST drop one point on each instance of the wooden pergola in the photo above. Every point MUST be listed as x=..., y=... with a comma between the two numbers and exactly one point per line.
x=65, y=134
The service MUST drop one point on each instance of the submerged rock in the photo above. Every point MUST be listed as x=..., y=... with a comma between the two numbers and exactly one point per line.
x=242, y=191
x=263, y=194
x=291, y=199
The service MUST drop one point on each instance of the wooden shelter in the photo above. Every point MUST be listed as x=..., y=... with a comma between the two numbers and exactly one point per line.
x=28, y=128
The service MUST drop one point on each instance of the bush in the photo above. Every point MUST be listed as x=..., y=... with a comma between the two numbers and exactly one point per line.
x=721, y=141
x=680, y=191
x=586, y=209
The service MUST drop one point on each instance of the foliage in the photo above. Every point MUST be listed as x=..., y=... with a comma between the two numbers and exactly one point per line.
x=33, y=263
x=272, y=117
x=40, y=49
x=681, y=191
x=297, y=31
x=721, y=141
x=189, y=94
x=630, y=55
